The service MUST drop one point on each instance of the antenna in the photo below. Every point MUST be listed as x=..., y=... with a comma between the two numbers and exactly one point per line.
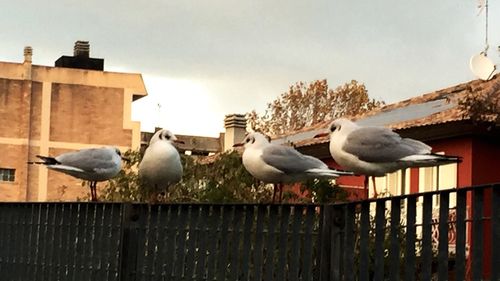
x=482, y=66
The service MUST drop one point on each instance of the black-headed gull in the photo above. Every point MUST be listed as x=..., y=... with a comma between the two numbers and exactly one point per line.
x=91, y=164
x=376, y=151
x=161, y=165
x=279, y=164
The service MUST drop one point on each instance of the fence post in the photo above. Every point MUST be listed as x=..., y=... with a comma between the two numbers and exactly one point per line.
x=128, y=243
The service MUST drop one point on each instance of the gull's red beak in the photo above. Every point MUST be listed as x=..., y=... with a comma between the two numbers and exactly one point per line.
x=178, y=141
x=238, y=144
x=321, y=135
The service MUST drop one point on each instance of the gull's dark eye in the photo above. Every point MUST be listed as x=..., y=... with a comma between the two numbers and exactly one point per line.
x=247, y=140
x=167, y=136
x=332, y=128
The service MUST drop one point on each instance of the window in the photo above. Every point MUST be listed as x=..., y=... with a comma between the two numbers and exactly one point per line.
x=439, y=178
x=396, y=183
x=7, y=174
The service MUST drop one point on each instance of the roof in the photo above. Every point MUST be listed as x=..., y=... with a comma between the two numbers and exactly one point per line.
x=439, y=107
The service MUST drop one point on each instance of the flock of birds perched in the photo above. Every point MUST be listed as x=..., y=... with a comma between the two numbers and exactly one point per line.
x=368, y=151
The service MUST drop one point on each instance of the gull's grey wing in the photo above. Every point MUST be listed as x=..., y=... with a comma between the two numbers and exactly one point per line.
x=289, y=160
x=91, y=159
x=378, y=144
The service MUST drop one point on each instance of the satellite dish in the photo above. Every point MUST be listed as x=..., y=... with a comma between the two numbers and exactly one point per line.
x=482, y=66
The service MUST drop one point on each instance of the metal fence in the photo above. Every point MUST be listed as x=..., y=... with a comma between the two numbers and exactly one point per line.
x=442, y=235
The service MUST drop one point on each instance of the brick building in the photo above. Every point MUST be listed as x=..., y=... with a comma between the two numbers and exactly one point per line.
x=50, y=110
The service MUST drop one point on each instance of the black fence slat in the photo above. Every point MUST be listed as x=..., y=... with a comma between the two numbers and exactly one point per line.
x=202, y=243
x=180, y=240
x=426, y=264
x=477, y=233
x=460, y=226
x=443, y=236
x=364, y=255
x=394, y=252
x=247, y=243
x=337, y=237
x=410, y=255
x=282, y=243
x=349, y=237
x=234, y=245
x=227, y=215
x=271, y=243
x=12, y=242
x=168, y=266
x=258, y=251
x=145, y=247
x=215, y=223
x=193, y=235
x=46, y=244
x=160, y=222
x=56, y=226
x=298, y=215
x=495, y=232
x=325, y=246
x=379, y=240
x=307, y=244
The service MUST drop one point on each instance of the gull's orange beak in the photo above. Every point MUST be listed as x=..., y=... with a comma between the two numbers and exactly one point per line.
x=238, y=144
x=321, y=135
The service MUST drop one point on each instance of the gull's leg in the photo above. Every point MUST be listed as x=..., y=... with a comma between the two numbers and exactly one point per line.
x=280, y=185
x=93, y=192
x=274, y=192
x=366, y=187
x=375, y=194
x=153, y=197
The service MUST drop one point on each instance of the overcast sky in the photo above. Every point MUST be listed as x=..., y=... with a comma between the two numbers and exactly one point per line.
x=203, y=59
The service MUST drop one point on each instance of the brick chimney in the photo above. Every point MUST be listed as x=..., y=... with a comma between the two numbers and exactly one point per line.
x=81, y=49
x=235, y=125
x=81, y=58
x=28, y=54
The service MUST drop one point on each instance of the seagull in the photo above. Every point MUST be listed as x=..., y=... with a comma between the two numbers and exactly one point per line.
x=278, y=164
x=376, y=151
x=161, y=165
x=91, y=164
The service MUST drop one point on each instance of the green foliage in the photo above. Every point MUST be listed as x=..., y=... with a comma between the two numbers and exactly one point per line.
x=482, y=106
x=224, y=180
x=324, y=191
x=125, y=186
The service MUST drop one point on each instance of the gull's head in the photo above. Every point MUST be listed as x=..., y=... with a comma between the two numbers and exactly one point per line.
x=253, y=140
x=336, y=126
x=164, y=135
x=341, y=124
x=119, y=153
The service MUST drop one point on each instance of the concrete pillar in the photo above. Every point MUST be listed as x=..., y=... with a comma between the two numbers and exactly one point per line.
x=236, y=128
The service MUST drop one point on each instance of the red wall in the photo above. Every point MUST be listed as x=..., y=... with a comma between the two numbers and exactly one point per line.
x=486, y=169
x=458, y=147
